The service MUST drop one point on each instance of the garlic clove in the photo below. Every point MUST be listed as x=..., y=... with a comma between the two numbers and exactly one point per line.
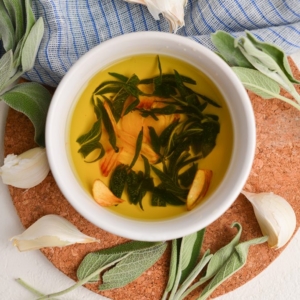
x=103, y=195
x=50, y=231
x=172, y=10
x=275, y=217
x=25, y=170
x=199, y=188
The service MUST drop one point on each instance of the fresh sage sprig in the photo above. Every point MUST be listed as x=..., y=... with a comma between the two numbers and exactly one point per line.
x=21, y=36
x=219, y=266
x=126, y=262
x=262, y=67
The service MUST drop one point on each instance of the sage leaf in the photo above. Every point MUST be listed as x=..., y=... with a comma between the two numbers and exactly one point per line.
x=15, y=11
x=32, y=44
x=168, y=183
x=161, y=197
x=257, y=82
x=118, y=180
x=138, y=147
x=192, y=254
x=221, y=255
x=131, y=106
x=183, y=291
x=155, y=142
x=172, y=268
x=95, y=260
x=189, y=252
x=186, y=178
x=224, y=42
x=93, y=134
x=263, y=62
x=119, y=76
x=107, y=122
x=7, y=33
x=5, y=68
x=277, y=54
x=33, y=100
x=30, y=20
x=234, y=263
x=131, y=267
x=90, y=147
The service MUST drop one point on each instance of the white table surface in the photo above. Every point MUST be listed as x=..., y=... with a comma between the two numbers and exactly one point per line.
x=280, y=280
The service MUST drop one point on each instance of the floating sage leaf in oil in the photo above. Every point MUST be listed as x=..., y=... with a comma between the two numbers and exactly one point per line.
x=119, y=76
x=93, y=134
x=118, y=180
x=138, y=147
x=186, y=178
x=88, y=148
x=108, y=125
x=155, y=142
x=162, y=196
x=131, y=107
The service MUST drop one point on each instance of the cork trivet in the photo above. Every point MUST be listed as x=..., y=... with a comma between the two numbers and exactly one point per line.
x=275, y=169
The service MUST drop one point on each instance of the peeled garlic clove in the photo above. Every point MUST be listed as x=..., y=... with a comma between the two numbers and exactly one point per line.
x=199, y=188
x=275, y=217
x=25, y=170
x=50, y=231
x=172, y=10
x=103, y=195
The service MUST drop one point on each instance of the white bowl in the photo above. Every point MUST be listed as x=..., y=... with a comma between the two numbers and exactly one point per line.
x=163, y=44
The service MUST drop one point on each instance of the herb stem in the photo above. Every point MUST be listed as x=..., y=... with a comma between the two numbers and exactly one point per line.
x=285, y=99
x=295, y=95
x=82, y=281
x=289, y=101
x=29, y=287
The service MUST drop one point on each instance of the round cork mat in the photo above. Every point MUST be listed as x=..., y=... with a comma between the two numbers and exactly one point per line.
x=274, y=170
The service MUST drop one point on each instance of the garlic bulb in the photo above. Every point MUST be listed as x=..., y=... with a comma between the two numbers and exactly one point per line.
x=275, y=217
x=50, y=231
x=172, y=10
x=25, y=170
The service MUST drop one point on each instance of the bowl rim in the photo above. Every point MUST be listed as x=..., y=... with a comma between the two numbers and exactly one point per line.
x=138, y=229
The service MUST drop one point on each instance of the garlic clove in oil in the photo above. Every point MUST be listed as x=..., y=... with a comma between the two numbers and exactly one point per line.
x=103, y=195
x=50, y=231
x=275, y=217
x=25, y=170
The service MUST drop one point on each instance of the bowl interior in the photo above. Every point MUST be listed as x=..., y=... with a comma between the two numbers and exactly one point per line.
x=162, y=44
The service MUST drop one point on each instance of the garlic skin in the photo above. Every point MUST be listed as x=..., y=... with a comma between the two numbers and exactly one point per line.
x=275, y=217
x=50, y=231
x=172, y=10
x=25, y=170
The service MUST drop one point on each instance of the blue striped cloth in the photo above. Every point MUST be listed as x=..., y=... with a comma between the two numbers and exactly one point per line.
x=72, y=27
